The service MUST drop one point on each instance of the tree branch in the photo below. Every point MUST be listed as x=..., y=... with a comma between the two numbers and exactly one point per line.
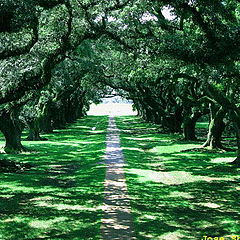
x=25, y=49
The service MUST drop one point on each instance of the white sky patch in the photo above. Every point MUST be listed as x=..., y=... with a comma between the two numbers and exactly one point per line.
x=111, y=19
x=111, y=109
x=148, y=17
x=98, y=19
x=166, y=11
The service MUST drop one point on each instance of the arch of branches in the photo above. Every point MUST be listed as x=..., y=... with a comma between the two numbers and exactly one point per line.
x=177, y=60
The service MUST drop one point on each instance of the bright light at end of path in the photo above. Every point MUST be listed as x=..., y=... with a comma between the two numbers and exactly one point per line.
x=111, y=109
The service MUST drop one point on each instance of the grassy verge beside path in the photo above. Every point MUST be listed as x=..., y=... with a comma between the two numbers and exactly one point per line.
x=177, y=193
x=61, y=196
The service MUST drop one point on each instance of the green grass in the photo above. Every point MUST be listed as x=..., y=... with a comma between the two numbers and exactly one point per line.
x=61, y=197
x=203, y=125
x=178, y=193
x=175, y=193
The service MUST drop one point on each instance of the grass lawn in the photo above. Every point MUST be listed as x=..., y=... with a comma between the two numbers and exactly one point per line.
x=61, y=196
x=177, y=193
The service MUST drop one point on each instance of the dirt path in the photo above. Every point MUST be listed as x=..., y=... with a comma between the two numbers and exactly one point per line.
x=117, y=220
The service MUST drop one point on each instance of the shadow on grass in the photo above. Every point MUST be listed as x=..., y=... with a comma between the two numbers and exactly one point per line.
x=178, y=194
x=61, y=196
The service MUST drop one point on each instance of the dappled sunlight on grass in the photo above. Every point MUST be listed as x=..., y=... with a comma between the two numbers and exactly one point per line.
x=172, y=148
x=178, y=193
x=171, y=177
x=46, y=223
x=177, y=235
x=65, y=206
x=210, y=205
x=222, y=160
x=134, y=149
x=61, y=196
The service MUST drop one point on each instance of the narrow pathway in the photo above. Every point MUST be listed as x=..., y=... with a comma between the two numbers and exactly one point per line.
x=117, y=220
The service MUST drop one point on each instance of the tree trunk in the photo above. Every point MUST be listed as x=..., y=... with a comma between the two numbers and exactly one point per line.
x=189, y=124
x=172, y=123
x=236, y=122
x=34, y=131
x=157, y=118
x=148, y=115
x=234, y=113
x=216, y=128
x=237, y=159
x=59, y=121
x=46, y=125
x=11, y=128
x=13, y=140
x=189, y=132
x=45, y=120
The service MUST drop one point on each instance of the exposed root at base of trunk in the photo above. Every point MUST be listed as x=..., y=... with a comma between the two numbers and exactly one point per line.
x=18, y=150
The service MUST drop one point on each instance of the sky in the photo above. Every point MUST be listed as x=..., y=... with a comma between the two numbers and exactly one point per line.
x=166, y=11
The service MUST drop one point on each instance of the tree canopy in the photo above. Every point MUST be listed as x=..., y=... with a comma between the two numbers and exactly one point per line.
x=177, y=60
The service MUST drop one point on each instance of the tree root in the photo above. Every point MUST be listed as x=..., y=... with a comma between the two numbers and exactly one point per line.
x=15, y=151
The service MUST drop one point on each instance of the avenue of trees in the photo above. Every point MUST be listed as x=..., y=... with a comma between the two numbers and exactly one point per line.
x=177, y=60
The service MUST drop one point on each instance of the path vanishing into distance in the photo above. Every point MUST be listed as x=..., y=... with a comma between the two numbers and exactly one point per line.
x=117, y=223
x=110, y=176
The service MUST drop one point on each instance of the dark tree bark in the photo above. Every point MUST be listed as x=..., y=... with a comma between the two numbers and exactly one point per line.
x=11, y=128
x=189, y=131
x=189, y=124
x=59, y=120
x=46, y=124
x=34, y=131
x=216, y=128
x=45, y=120
x=237, y=159
x=173, y=121
x=5, y=20
x=235, y=115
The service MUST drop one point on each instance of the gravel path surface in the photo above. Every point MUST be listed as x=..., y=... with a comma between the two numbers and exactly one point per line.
x=117, y=221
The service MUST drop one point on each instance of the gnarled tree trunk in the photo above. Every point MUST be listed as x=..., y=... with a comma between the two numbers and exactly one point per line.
x=216, y=128
x=235, y=116
x=45, y=121
x=11, y=128
x=189, y=124
x=34, y=131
